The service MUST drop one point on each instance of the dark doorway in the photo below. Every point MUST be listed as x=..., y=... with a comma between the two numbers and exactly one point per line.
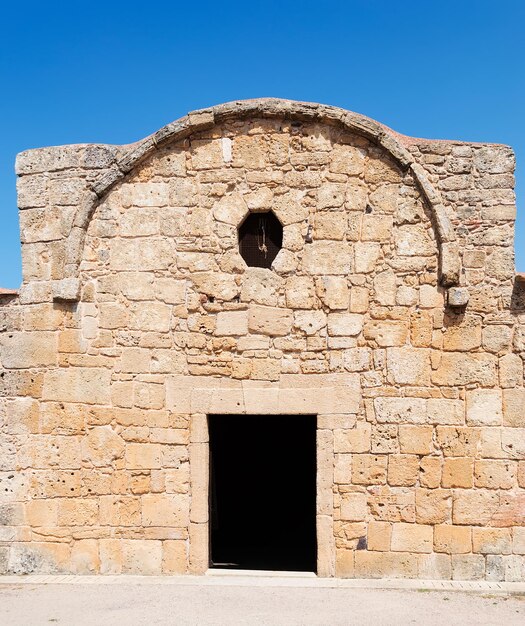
x=262, y=492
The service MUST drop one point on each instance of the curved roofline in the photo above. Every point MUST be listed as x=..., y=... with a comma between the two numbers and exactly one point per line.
x=203, y=119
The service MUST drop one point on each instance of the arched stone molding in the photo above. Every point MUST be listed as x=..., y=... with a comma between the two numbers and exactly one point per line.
x=449, y=267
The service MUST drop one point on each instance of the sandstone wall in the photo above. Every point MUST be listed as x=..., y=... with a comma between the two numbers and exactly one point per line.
x=138, y=317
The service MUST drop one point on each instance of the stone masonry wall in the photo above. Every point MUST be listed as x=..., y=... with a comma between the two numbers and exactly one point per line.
x=110, y=362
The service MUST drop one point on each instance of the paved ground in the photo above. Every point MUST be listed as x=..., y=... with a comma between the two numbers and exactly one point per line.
x=230, y=602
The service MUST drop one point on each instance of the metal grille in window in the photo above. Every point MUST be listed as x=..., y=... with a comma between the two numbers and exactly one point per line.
x=260, y=239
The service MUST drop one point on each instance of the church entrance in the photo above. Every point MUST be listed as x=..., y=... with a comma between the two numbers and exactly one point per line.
x=263, y=492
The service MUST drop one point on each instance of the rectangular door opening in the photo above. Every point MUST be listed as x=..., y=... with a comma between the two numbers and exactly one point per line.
x=263, y=492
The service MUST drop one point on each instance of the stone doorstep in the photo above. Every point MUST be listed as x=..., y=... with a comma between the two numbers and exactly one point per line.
x=244, y=578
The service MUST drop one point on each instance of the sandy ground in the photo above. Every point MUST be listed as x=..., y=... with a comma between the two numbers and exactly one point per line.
x=225, y=604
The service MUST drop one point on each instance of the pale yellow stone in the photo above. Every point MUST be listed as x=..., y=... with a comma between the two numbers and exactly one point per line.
x=415, y=439
x=269, y=320
x=412, y=538
x=452, y=539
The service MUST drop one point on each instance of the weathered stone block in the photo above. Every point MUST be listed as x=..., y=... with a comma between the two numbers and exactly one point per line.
x=452, y=539
x=484, y=407
x=408, y=366
x=22, y=350
x=77, y=384
x=269, y=321
x=412, y=538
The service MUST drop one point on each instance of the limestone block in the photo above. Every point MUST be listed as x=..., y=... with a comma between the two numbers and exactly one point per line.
x=352, y=440
x=457, y=441
x=299, y=292
x=456, y=368
x=135, y=360
x=414, y=240
x=232, y=323
x=43, y=557
x=171, y=510
x=330, y=195
x=120, y=510
x=415, y=439
x=494, y=159
x=463, y=337
x=169, y=290
x=20, y=350
x=385, y=286
x=330, y=225
x=174, y=557
x=387, y=333
x=412, y=538
x=366, y=256
x=42, y=512
x=357, y=359
x=142, y=557
x=289, y=208
x=344, y=324
x=333, y=291
x=511, y=372
x=327, y=257
x=353, y=507
x=521, y=473
x=495, y=474
x=458, y=472
x=266, y=369
x=484, y=407
x=343, y=468
x=514, y=407
x=518, y=540
x=32, y=191
x=344, y=563
x=310, y=322
x=379, y=536
x=408, y=366
x=452, y=539
x=269, y=321
x=102, y=445
x=347, y=160
x=497, y=338
x=492, y=540
x=474, y=507
x=369, y=469
x=49, y=224
x=143, y=456
x=113, y=315
x=430, y=472
x=147, y=194
x=433, y=506
x=261, y=286
x=376, y=227
x=359, y=300
x=90, y=385
x=400, y=410
x=182, y=192
x=369, y=564
x=514, y=568
x=85, y=557
x=468, y=567
x=403, y=470
x=136, y=222
x=216, y=285
x=66, y=191
x=144, y=254
x=430, y=297
x=78, y=512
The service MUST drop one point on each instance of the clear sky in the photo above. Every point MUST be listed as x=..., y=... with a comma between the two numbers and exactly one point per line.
x=114, y=71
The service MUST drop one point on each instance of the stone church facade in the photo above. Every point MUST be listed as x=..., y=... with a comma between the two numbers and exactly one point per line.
x=391, y=312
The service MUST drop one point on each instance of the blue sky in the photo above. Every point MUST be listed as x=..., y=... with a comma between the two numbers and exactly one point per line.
x=113, y=72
